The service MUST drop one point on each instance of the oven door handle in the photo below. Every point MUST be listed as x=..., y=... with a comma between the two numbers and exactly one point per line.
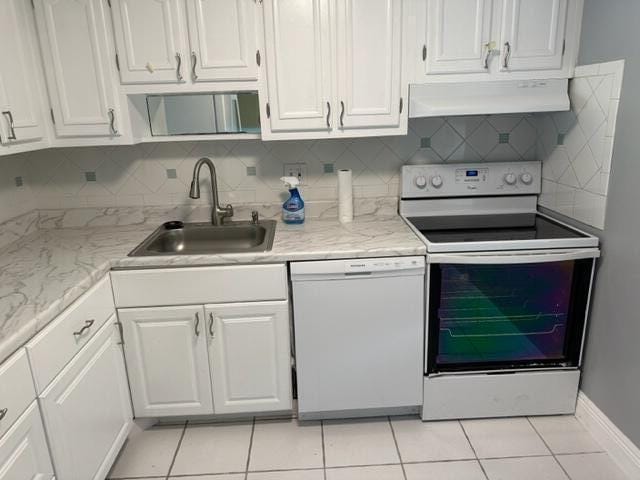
x=508, y=258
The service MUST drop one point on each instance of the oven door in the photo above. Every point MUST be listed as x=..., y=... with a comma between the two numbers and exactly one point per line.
x=507, y=310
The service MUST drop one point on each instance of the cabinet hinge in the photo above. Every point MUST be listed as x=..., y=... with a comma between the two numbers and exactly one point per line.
x=424, y=53
x=121, y=331
x=258, y=58
x=53, y=118
x=268, y=110
x=564, y=46
x=117, y=62
x=401, y=104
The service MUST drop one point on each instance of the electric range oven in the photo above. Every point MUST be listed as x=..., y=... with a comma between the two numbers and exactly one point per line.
x=507, y=295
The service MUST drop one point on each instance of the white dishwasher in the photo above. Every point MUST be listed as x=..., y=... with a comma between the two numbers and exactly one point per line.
x=359, y=336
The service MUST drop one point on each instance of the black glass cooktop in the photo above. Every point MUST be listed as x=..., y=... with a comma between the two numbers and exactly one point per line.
x=492, y=228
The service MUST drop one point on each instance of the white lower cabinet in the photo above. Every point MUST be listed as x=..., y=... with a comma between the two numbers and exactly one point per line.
x=87, y=409
x=166, y=352
x=249, y=356
x=23, y=449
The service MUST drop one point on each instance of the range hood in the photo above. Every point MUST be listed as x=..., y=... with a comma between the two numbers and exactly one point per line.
x=478, y=98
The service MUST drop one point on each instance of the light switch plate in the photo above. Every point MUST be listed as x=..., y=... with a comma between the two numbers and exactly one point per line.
x=295, y=170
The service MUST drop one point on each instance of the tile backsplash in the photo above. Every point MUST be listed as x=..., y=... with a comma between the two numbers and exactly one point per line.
x=576, y=147
x=249, y=170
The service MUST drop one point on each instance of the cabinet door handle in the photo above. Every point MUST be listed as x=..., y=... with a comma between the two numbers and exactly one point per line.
x=212, y=332
x=12, y=135
x=87, y=325
x=341, y=113
x=487, y=56
x=507, y=54
x=112, y=121
x=3, y=413
x=179, y=67
x=328, y=115
x=197, y=327
x=194, y=63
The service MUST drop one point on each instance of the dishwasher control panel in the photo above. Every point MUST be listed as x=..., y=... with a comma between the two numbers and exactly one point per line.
x=382, y=265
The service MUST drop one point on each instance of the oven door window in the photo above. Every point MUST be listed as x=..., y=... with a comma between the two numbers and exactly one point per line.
x=485, y=317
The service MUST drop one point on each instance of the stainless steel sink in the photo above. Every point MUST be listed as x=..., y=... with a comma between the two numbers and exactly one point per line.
x=175, y=238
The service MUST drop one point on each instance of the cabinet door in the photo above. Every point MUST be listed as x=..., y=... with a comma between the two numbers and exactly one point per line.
x=222, y=35
x=151, y=40
x=369, y=62
x=167, y=361
x=87, y=409
x=20, y=108
x=23, y=449
x=533, y=33
x=457, y=35
x=78, y=66
x=250, y=356
x=297, y=36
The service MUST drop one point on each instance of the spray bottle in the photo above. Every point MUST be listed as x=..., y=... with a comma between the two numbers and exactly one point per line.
x=293, y=208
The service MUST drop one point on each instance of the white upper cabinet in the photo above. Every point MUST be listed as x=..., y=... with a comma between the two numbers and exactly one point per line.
x=78, y=62
x=166, y=352
x=533, y=33
x=250, y=356
x=369, y=63
x=21, y=118
x=150, y=38
x=298, y=48
x=458, y=34
x=222, y=35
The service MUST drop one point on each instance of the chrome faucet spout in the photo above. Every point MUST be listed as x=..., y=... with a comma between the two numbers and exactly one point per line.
x=218, y=214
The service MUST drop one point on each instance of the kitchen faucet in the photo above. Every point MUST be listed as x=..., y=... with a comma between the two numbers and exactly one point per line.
x=218, y=214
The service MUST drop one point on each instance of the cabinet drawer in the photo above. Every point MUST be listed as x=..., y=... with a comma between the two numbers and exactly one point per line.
x=192, y=286
x=59, y=342
x=16, y=389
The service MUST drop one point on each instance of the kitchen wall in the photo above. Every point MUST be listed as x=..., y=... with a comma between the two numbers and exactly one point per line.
x=576, y=147
x=249, y=170
x=611, y=375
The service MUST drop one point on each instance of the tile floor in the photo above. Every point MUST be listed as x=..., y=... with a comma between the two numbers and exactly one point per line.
x=396, y=448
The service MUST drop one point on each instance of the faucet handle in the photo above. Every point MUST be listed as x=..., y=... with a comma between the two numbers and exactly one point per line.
x=228, y=210
x=255, y=217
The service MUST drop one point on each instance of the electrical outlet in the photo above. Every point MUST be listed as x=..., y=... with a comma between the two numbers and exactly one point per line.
x=295, y=170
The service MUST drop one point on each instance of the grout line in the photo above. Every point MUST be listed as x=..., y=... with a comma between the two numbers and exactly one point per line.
x=175, y=455
x=548, y=447
x=395, y=442
x=324, y=456
x=475, y=454
x=253, y=429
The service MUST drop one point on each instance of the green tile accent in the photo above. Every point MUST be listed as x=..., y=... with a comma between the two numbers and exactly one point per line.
x=19, y=181
x=252, y=171
x=561, y=138
x=90, y=176
x=328, y=168
x=171, y=173
x=425, y=142
x=503, y=137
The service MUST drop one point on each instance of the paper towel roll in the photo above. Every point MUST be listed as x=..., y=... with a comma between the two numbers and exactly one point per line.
x=345, y=196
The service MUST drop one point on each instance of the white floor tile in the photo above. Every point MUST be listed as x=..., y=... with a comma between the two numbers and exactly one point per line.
x=359, y=442
x=233, y=476
x=565, y=434
x=291, y=475
x=591, y=466
x=467, y=470
x=385, y=472
x=148, y=453
x=286, y=444
x=220, y=448
x=531, y=468
x=504, y=437
x=420, y=441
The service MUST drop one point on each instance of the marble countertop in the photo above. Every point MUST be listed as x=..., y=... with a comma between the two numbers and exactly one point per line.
x=44, y=272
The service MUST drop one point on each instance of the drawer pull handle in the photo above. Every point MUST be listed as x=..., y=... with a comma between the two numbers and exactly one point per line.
x=3, y=413
x=197, y=327
x=87, y=325
x=211, y=330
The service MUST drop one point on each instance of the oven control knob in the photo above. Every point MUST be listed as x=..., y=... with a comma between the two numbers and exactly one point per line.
x=510, y=179
x=526, y=178
x=436, y=181
x=420, y=181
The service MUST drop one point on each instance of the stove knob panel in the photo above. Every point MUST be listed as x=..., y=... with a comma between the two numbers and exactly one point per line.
x=436, y=181
x=420, y=181
x=526, y=178
x=510, y=179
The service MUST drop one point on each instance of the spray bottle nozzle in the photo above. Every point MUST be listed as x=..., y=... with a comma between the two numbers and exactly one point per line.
x=290, y=182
